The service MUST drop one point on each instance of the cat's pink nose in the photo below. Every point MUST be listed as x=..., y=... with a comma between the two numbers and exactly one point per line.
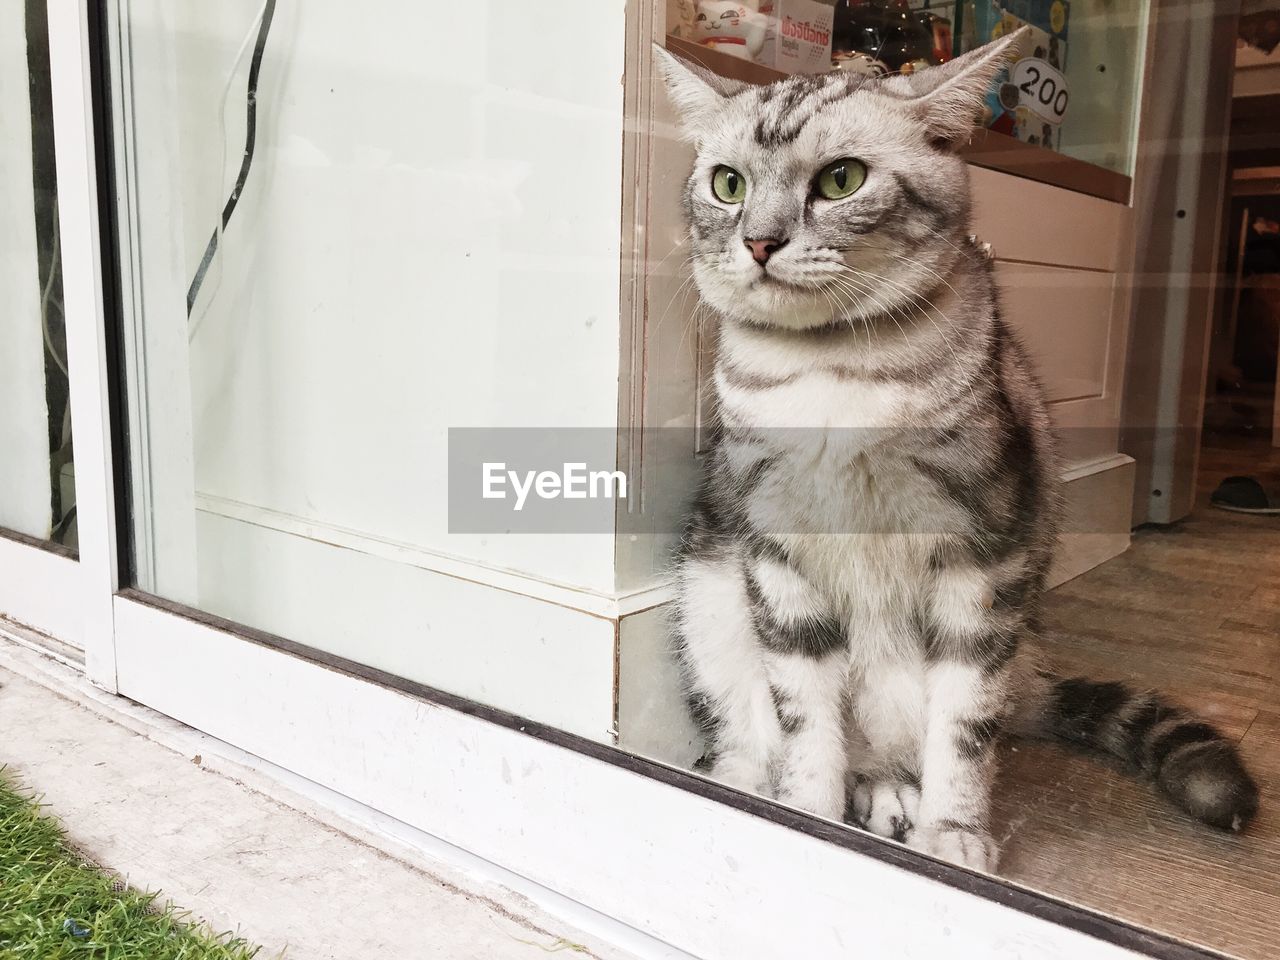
x=762, y=250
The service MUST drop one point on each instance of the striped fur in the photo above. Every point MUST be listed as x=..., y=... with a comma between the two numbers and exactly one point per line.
x=1185, y=756
x=860, y=580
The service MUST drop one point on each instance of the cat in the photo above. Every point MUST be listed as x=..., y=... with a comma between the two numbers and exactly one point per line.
x=859, y=583
x=731, y=27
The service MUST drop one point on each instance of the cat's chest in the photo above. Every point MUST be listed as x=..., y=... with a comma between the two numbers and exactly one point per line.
x=854, y=526
x=822, y=399
x=839, y=383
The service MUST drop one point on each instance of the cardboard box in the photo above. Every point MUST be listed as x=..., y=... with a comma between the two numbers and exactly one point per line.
x=802, y=35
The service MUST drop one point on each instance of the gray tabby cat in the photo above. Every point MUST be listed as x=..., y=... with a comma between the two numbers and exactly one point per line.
x=860, y=580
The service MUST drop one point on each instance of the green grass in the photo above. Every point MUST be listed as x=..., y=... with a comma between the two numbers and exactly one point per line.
x=55, y=906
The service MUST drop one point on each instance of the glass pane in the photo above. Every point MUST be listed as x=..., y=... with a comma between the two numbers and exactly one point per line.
x=342, y=250
x=1073, y=87
x=37, y=479
x=433, y=336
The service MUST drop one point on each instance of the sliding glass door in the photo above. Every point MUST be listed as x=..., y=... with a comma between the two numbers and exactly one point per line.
x=40, y=376
x=37, y=470
x=401, y=391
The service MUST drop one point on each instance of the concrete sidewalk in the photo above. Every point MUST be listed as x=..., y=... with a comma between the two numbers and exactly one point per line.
x=172, y=810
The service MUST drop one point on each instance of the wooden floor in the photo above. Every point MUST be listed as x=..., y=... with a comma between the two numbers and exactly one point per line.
x=1194, y=610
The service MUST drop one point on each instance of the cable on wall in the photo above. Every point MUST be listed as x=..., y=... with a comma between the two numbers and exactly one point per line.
x=46, y=296
x=251, y=132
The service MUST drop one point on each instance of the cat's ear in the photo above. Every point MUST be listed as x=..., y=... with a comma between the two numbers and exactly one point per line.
x=695, y=92
x=949, y=98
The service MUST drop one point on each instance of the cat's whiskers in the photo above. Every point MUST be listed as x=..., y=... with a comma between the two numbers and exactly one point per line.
x=875, y=304
x=892, y=313
x=681, y=291
x=854, y=291
x=925, y=267
x=910, y=294
x=841, y=308
x=831, y=301
x=926, y=306
x=688, y=235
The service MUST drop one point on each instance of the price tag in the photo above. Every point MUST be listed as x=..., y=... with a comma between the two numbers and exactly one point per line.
x=1042, y=89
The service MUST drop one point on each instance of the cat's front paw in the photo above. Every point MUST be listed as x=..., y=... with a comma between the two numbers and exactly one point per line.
x=957, y=843
x=887, y=808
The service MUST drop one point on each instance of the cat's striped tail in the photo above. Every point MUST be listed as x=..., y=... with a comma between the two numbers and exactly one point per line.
x=1188, y=758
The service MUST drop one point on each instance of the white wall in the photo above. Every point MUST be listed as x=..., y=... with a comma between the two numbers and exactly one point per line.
x=24, y=441
x=429, y=239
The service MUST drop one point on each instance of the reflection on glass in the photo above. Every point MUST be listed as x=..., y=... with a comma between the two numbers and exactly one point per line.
x=1072, y=86
x=846, y=637
x=860, y=588
x=1075, y=87
x=37, y=480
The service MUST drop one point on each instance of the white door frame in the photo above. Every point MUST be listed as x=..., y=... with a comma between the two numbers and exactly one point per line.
x=688, y=862
x=87, y=348
x=41, y=586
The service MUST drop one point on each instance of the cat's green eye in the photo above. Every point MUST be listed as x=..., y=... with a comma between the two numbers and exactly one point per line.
x=841, y=179
x=729, y=185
